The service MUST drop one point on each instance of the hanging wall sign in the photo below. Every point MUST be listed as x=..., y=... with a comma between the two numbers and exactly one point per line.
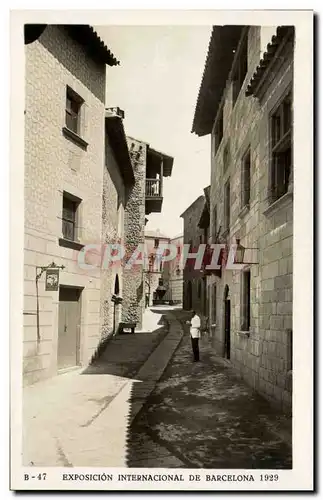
x=52, y=280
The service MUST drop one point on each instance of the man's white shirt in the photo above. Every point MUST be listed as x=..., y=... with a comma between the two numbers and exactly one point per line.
x=195, y=329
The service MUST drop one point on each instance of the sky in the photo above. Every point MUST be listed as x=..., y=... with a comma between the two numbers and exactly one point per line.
x=157, y=86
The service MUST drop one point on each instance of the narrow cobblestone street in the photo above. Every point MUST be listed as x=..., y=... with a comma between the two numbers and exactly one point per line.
x=140, y=406
x=201, y=415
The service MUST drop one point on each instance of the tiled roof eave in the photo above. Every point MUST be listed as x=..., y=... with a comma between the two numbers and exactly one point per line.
x=278, y=41
x=89, y=38
x=220, y=55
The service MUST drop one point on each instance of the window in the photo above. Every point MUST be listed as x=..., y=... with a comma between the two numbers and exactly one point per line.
x=245, y=179
x=156, y=245
x=245, y=301
x=227, y=206
x=281, y=148
x=240, y=71
x=218, y=132
x=215, y=222
x=73, y=110
x=70, y=206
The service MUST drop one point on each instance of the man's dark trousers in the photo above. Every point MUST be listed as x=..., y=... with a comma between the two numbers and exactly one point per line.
x=195, y=347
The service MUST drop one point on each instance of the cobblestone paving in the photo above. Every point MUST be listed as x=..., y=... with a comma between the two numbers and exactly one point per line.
x=201, y=416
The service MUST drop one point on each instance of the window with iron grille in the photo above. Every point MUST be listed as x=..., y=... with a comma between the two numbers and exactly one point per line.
x=73, y=110
x=281, y=148
x=245, y=179
x=240, y=71
x=227, y=206
x=69, y=217
x=245, y=300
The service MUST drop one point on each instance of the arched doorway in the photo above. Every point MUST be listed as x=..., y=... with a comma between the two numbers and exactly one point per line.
x=227, y=322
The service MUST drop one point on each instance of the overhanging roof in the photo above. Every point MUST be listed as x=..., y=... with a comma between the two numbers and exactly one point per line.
x=283, y=34
x=167, y=161
x=117, y=138
x=88, y=37
x=83, y=34
x=223, y=43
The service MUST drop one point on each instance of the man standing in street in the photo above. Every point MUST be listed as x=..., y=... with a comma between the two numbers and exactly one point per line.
x=195, y=331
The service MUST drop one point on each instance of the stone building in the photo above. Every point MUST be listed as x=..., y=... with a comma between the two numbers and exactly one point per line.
x=154, y=271
x=194, y=283
x=163, y=275
x=245, y=104
x=65, y=71
x=144, y=197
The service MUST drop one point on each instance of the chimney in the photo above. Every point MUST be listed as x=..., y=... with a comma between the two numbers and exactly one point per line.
x=116, y=111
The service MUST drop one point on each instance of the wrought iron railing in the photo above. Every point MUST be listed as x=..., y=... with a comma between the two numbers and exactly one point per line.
x=153, y=188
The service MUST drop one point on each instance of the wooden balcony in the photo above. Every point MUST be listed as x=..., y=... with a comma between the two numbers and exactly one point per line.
x=154, y=197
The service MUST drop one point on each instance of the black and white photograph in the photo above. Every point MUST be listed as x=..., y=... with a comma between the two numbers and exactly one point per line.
x=165, y=176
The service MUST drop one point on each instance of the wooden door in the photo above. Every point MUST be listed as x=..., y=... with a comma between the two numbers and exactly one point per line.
x=68, y=327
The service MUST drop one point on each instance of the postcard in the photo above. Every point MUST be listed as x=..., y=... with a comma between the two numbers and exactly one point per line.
x=161, y=166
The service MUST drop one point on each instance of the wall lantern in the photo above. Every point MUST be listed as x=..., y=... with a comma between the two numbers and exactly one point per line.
x=240, y=252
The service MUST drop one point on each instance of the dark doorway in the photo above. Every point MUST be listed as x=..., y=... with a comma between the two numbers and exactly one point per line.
x=227, y=323
x=69, y=320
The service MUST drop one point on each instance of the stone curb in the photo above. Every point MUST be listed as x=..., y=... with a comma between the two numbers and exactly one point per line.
x=154, y=367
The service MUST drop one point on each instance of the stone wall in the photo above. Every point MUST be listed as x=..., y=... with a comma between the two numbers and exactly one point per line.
x=263, y=357
x=134, y=225
x=54, y=164
x=193, y=281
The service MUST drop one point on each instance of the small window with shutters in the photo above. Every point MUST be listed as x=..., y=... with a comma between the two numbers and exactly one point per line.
x=69, y=216
x=245, y=300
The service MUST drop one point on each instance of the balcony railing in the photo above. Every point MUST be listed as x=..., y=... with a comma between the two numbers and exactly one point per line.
x=153, y=188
